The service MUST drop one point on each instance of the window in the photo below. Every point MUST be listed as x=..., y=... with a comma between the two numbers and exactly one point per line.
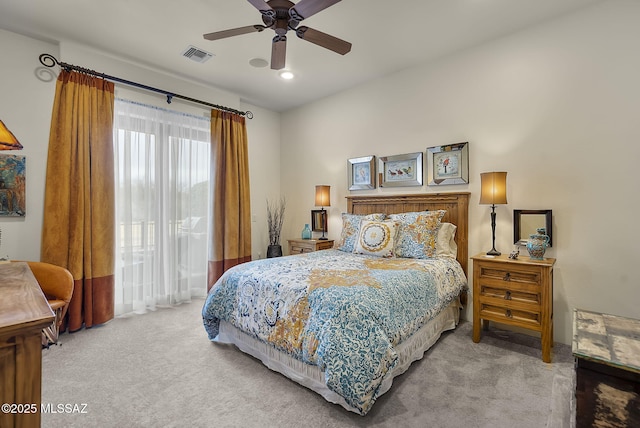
x=162, y=160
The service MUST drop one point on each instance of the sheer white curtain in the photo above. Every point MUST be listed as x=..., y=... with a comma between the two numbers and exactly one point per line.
x=162, y=189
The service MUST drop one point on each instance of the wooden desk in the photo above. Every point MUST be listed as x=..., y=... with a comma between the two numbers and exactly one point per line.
x=24, y=312
x=607, y=353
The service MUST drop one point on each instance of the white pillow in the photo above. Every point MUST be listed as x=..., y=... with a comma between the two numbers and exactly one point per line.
x=376, y=238
x=445, y=241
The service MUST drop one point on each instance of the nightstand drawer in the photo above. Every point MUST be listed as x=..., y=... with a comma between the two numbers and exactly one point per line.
x=525, y=276
x=324, y=245
x=299, y=249
x=510, y=315
x=521, y=296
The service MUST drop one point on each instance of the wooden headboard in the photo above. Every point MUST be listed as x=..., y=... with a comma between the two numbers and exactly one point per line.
x=456, y=205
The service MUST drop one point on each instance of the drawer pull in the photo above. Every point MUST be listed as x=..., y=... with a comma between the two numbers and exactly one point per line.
x=507, y=295
x=507, y=277
x=508, y=313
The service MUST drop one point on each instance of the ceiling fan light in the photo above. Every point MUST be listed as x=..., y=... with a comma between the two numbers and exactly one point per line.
x=286, y=75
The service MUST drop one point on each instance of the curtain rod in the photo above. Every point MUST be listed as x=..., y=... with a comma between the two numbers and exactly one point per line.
x=50, y=61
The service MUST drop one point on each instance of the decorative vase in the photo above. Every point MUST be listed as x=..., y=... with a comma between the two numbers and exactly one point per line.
x=274, y=251
x=537, y=244
x=306, y=232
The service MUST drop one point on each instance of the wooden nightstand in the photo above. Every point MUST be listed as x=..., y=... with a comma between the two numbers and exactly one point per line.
x=299, y=246
x=514, y=292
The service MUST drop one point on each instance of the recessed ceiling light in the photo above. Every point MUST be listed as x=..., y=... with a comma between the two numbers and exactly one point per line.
x=286, y=75
x=258, y=62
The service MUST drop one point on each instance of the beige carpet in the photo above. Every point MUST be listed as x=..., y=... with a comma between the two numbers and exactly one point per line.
x=160, y=370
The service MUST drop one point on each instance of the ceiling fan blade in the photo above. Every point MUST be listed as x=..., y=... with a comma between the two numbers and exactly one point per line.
x=323, y=39
x=233, y=32
x=261, y=5
x=278, y=52
x=306, y=8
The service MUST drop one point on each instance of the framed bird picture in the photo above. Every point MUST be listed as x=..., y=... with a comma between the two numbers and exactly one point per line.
x=400, y=170
x=362, y=173
x=448, y=164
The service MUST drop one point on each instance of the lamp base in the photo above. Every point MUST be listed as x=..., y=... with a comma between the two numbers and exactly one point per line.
x=493, y=251
x=323, y=239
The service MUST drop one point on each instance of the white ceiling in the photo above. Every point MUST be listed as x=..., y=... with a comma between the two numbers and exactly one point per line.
x=386, y=36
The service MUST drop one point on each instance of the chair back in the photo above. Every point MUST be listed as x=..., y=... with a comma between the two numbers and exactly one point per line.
x=56, y=282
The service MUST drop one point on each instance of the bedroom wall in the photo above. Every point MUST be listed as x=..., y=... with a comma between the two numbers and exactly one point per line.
x=555, y=105
x=25, y=106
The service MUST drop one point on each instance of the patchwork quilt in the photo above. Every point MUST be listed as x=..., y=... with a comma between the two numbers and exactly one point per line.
x=341, y=311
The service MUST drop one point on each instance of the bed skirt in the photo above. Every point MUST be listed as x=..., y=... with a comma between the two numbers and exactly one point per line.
x=312, y=377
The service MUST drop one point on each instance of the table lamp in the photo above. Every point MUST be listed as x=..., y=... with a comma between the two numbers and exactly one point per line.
x=493, y=191
x=323, y=199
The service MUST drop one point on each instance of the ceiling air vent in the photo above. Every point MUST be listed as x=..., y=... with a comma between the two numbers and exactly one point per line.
x=197, y=55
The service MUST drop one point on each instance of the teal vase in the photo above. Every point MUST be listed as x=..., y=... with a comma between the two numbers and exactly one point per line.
x=537, y=244
x=306, y=232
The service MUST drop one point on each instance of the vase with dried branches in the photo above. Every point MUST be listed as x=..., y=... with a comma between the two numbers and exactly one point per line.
x=275, y=217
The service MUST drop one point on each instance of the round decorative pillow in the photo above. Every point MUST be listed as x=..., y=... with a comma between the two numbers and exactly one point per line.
x=376, y=238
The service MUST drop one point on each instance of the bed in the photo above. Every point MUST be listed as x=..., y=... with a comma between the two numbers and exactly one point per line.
x=344, y=322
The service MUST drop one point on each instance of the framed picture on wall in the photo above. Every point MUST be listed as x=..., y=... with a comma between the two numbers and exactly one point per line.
x=448, y=164
x=362, y=173
x=400, y=170
x=12, y=185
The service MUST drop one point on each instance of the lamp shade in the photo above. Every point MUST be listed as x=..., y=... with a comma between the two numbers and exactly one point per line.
x=323, y=198
x=493, y=188
x=8, y=141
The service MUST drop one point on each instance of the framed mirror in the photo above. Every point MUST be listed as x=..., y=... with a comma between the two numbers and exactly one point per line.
x=318, y=221
x=525, y=223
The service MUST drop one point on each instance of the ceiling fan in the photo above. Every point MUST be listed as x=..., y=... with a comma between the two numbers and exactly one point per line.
x=282, y=16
